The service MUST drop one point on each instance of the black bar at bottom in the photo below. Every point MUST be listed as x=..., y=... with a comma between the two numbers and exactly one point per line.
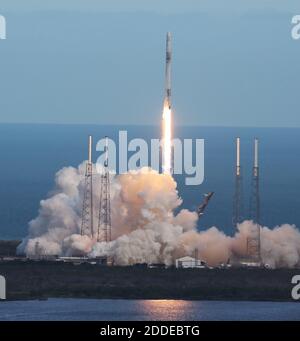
x=136, y=330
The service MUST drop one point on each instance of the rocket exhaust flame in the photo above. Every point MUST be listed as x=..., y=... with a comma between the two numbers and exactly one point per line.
x=167, y=112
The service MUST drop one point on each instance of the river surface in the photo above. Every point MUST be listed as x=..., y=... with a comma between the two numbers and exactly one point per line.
x=137, y=310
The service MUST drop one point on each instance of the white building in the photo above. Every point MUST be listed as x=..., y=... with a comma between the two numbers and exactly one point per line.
x=189, y=262
x=2, y=288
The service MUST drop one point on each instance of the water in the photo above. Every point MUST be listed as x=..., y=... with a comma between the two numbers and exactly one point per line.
x=31, y=154
x=135, y=310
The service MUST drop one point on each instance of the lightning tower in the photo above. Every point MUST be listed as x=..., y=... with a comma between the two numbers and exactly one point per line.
x=253, y=241
x=238, y=195
x=87, y=226
x=104, y=222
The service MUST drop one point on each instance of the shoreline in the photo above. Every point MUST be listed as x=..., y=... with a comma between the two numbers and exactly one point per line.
x=32, y=280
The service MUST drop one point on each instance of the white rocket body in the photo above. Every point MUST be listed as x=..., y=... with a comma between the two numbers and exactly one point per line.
x=168, y=71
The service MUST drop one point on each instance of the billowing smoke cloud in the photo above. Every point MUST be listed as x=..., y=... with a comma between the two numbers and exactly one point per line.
x=145, y=228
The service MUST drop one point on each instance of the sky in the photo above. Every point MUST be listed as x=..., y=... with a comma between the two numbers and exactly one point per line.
x=160, y=6
x=86, y=61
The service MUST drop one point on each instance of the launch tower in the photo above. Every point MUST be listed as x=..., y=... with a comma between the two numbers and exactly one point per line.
x=104, y=222
x=87, y=226
x=238, y=195
x=253, y=241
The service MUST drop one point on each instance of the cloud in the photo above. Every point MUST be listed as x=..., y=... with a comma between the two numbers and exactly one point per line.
x=145, y=228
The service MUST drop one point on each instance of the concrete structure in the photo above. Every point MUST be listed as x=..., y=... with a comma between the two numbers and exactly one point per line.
x=83, y=260
x=189, y=262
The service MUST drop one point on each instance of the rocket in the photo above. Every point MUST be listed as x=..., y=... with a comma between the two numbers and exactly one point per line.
x=167, y=114
x=168, y=71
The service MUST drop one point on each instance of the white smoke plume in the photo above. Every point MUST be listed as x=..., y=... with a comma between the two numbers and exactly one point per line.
x=145, y=228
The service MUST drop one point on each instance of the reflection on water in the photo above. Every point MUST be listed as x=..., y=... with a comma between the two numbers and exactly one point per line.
x=146, y=310
x=166, y=309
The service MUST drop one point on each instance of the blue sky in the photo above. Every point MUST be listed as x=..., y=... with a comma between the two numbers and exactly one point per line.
x=103, y=62
x=165, y=6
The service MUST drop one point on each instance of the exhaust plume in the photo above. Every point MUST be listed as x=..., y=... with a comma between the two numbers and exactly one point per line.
x=145, y=228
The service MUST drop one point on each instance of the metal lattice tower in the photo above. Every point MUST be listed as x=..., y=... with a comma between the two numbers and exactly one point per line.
x=253, y=241
x=238, y=195
x=104, y=222
x=87, y=225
